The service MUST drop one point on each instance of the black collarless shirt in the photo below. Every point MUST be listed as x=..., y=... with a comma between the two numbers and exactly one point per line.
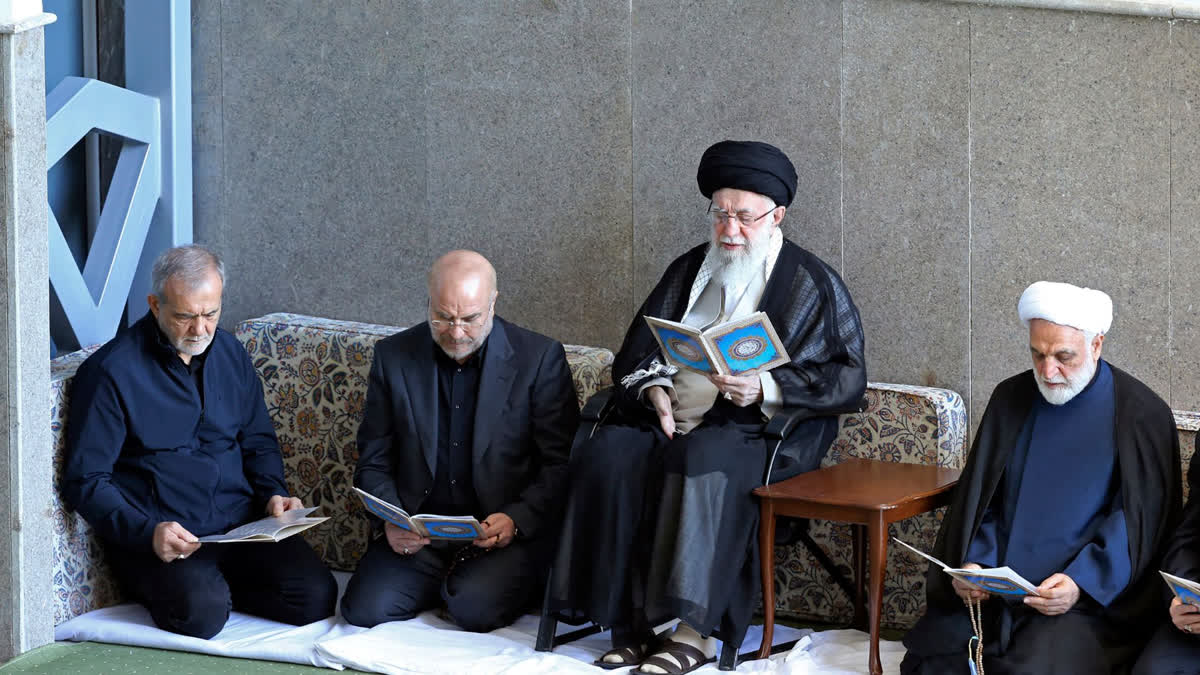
x=453, y=491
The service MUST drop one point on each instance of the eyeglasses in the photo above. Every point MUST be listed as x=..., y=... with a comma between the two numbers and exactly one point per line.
x=722, y=216
x=443, y=325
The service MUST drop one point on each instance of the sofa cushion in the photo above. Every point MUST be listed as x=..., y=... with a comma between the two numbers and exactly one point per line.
x=1187, y=423
x=81, y=578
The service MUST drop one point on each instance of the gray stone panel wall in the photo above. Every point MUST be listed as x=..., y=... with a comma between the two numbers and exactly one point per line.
x=208, y=185
x=1184, y=357
x=709, y=71
x=320, y=154
x=354, y=142
x=1070, y=180
x=528, y=156
x=905, y=155
x=949, y=154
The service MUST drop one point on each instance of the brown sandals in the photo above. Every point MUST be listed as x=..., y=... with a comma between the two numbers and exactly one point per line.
x=688, y=657
x=629, y=656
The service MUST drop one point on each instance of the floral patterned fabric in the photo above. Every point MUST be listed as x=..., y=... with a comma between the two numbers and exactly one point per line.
x=314, y=379
x=1187, y=423
x=81, y=578
x=916, y=425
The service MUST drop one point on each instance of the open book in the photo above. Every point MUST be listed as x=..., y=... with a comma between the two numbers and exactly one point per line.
x=1186, y=590
x=749, y=344
x=1002, y=580
x=424, y=524
x=271, y=528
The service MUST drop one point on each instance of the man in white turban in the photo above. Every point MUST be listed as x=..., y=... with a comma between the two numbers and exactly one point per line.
x=1074, y=482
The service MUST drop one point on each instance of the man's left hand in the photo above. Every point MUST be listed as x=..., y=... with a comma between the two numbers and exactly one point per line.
x=498, y=531
x=278, y=504
x=1058, y=594
x=743, y=390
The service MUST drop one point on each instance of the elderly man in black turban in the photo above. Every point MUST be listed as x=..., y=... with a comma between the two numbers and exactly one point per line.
x=660, y=519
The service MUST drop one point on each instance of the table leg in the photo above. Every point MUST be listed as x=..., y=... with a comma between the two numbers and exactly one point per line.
x=877, y=534
x=766, y=554
x=858, y=538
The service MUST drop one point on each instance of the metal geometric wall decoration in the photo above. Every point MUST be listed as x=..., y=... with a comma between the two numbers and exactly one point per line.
x=94, y=300
x=149, y=203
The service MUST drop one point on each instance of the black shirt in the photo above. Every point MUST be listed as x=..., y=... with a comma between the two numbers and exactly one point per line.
x=453, y=492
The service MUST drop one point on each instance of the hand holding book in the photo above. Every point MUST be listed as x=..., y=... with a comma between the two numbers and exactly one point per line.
x=1000, y=580
x=1185, y=606
x=429, y=526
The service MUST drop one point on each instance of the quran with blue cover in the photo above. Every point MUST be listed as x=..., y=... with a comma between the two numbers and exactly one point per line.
x=1186, y=590
x=999, y=580
x=738, y=347
x=462, y=528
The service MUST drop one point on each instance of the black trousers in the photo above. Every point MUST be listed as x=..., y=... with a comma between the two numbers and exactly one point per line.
x=284, y=581
x=482, y=593
x=1170, y=652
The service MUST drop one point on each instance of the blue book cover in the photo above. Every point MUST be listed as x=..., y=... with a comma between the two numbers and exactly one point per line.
x=1186, y=590
x=432, y=526
x=747, y=345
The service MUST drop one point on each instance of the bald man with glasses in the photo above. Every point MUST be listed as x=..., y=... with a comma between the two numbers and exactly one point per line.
x=466, y=414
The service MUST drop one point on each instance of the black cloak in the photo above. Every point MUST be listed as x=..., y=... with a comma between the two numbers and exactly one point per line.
x=1149, y=465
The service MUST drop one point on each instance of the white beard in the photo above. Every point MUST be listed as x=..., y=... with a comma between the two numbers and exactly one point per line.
x=1075, y=384
x=737, y=268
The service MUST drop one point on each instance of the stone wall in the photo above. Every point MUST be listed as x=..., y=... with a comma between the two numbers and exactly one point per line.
x=949, y=154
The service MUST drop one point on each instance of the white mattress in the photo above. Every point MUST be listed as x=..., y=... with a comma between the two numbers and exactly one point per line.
x=430, y=645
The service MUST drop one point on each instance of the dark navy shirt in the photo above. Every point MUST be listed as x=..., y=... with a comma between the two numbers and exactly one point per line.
x=453, y=492
x=151, y=439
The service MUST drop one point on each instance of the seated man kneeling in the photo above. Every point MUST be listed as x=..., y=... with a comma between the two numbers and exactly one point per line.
x=466, y=414
x=169, y=440
x=1073, y=482
x=1175, y=648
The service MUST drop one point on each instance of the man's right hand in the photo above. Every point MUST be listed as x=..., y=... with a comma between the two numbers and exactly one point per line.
x=1185, y=617
x=402, y=541
x=661, y=401
x=966, y=591
x=172, y=541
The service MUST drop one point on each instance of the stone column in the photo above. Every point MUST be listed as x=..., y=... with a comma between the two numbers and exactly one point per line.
x=26, y=616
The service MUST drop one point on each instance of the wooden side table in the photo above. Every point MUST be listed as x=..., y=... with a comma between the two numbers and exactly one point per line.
x=868, y=493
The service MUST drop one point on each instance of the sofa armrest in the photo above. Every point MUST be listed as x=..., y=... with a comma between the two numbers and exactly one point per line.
x=782, y=422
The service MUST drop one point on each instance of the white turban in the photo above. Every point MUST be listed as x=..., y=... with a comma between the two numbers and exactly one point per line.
x=1087, y=309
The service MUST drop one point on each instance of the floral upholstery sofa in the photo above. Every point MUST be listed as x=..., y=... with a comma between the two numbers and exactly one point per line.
x=314, y=374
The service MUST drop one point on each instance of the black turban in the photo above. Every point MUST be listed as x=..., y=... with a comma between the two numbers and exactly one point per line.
x=747, y=165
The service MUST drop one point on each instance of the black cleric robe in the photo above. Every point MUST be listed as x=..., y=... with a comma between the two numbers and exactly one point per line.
x=1090, y=638
x=658, y=528
x=1171, y=650
x=817, y=321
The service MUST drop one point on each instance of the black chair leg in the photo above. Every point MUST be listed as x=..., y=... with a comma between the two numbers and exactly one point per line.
x=548, y=624
x=729, y=656
x=731, y=642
